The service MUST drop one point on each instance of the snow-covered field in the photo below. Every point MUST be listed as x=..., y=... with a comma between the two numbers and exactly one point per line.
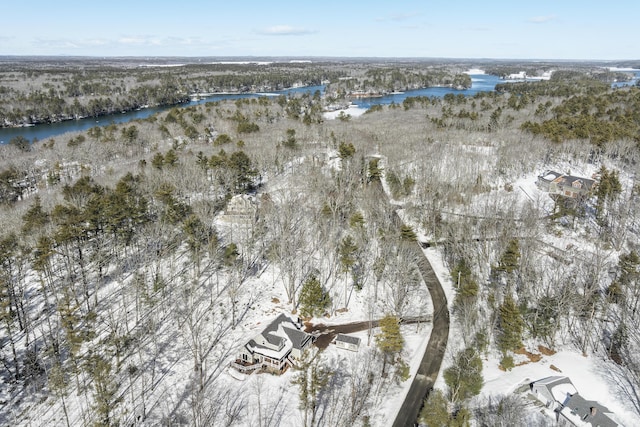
x=353, y=111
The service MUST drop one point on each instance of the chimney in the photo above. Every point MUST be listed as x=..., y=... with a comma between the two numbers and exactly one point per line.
x=594, y=411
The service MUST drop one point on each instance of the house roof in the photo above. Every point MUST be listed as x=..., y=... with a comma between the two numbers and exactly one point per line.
x=254, y=347
x=575, y=408
x=283, y=333
x=568, y=180
x=588, y=411
x=348, y=339
x=557, y=388
x=550, y=175
x=298, y=338
x=270, y=333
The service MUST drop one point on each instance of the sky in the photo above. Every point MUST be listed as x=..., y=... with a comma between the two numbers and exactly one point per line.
x=558, y=29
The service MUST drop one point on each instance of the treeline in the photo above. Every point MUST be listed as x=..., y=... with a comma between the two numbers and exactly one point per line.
x=561, y=84
x=385, y=80
x=600, y=118
x=45, y=95
x=48, y=107
x=578, y=71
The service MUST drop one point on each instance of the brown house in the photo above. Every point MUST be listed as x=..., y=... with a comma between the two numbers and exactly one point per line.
x=574, y=187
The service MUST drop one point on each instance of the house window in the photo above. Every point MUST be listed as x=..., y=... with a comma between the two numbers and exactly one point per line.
x=244, y=357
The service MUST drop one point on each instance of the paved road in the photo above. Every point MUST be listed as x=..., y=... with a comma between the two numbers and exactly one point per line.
x=436, y=347
x=434, y=353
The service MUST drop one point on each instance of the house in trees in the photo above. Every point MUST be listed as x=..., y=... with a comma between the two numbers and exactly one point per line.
x=241, y=209
x=275, y=348
x=565, y=185
x=559, y=395
x=553, y=391
x=347, y=342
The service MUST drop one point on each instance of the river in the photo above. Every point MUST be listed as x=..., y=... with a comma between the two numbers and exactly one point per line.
x=480, y=83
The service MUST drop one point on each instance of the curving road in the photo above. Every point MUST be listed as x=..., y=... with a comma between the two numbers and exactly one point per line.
x=434, y=353
x=431, y=361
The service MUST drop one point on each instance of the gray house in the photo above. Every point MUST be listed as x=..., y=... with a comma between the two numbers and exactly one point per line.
x=275, y=348
x=558, y=394
x=347, y=342
x=574, y=187
x=578, y=409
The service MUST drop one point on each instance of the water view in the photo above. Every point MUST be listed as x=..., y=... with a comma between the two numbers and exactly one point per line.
x=480, y=83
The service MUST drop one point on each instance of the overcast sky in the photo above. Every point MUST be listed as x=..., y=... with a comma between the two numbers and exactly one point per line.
x=558, y=29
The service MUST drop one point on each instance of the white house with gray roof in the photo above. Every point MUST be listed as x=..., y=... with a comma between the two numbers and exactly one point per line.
x=275, y=348
x=347, y=342
x=559, y=394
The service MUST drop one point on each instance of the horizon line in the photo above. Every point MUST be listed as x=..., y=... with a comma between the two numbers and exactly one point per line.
x=307, y=57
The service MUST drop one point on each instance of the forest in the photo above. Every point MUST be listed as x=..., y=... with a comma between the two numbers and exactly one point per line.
x=45, y=92
x=136, y=259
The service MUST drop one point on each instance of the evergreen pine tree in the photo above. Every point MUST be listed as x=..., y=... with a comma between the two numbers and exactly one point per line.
x=407, y=233
x=607, y=189
x=511, y=326
x=157, y=161
x=465, y=285
x=35, y=217
x=435, y=411
x=389, y=340
x=375, y=172
x=58, y=385
x=345, y=150
x=464, y=377
x=314, y=301
x=347, y=251
x=105, y=389
x=510, y=260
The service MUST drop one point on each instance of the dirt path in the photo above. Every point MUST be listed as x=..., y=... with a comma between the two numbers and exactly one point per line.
x=327, y=333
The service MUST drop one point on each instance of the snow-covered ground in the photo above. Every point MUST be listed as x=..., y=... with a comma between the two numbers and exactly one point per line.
x=588, y=374
x=623, y=69
x=591, y=374
x=353, y=111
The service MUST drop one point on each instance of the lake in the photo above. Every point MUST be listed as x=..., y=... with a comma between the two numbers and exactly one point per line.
x=480, y=83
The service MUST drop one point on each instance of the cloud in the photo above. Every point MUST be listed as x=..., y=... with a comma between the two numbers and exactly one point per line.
x=285, y=30
x=182, y=41
x=140, y=41
x=541, y=19
x=95, y=42
x=56, y=43
x=122, y=43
